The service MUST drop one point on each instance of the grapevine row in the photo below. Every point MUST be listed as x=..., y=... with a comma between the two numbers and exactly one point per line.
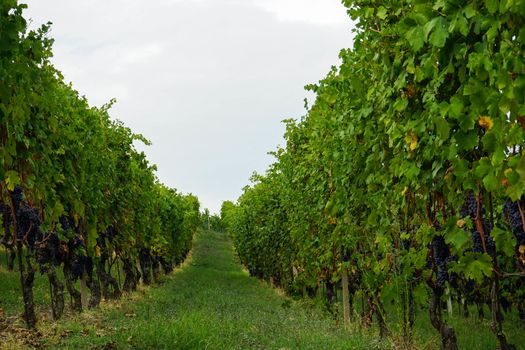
x=406, y=178
x=75, y=194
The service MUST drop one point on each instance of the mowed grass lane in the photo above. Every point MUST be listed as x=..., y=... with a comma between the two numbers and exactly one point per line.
x=211, y=303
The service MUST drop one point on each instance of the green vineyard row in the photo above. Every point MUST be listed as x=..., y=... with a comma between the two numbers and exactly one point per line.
x=406, y=178
x=76, y=196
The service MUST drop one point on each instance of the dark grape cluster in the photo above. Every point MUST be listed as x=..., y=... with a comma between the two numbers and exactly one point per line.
x=65, y=223
x=406, y=243
x=110, y=233
x=78, y=266
x=78, y=262
x=453, y=280
x=27, y=219
x=28, y=225
x=17, y=196
x=477, y=243
x=470, y=208
x=50, y=252
x=144, y=255
x=441, y=254
x=513, y=216
x=345, y=254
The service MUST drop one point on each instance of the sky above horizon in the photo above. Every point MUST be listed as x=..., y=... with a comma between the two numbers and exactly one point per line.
x=207, y=81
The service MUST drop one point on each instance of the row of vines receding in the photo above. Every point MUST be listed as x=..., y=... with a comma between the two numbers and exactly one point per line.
x=406, y=178
x=77, y=200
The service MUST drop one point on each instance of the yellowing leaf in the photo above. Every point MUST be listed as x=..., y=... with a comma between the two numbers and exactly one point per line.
x=460, y=223
x=411, y=140
x=486, y=122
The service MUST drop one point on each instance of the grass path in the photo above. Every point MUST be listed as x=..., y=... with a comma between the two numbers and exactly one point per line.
x=211, y=303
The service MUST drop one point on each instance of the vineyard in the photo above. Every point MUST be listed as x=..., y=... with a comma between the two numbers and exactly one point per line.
x=403, y=187
x=78, y=201
x=396, y=207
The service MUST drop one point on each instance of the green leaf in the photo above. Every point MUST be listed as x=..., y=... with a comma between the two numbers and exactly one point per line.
x=491, y=5
x=467, y=141
x=401, y=104
x=389, y=293
x=473, y=265
x=498, y=156
x=489, y=141
x=505, y=105
x=381, y=12
x=470, y=11
x=505, y=241
x=429, y=26
x=458, y=238
x=521, y=168
x=12, y=178
x=491, y=182
x=416, y=38
x=461, y=168
x=443, y=128
x=467, y=122
x=456, y=107
x=440, y=33
x=483, y=168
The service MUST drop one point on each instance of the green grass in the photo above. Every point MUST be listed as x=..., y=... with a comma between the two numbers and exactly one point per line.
x=10, y=290
x=211, y=303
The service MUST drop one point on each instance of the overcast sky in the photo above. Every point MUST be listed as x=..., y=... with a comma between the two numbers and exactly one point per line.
x=207, y=81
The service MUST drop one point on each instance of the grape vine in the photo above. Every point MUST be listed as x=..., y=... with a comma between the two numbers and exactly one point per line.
x=75, y=194
x=412, y=152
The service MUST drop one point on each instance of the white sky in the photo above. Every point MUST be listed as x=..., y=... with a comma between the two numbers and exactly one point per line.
x=207, y=81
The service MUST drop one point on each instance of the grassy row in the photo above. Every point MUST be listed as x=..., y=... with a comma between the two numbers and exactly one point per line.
x=212, y=303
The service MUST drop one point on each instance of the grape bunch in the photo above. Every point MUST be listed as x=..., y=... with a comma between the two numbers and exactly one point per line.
x=407, y=242
x=28, y=225
x=17, y=196
x=345, y=254
x=50, y=251
x=80, y=264
x=77, y=268
x=111, y=233
x=65, y=223
x=27, y=219
x=470, y=208
x=477, y=242
x=76, y=257
x=513, y=216
x=441, y=255
x=144, y=255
